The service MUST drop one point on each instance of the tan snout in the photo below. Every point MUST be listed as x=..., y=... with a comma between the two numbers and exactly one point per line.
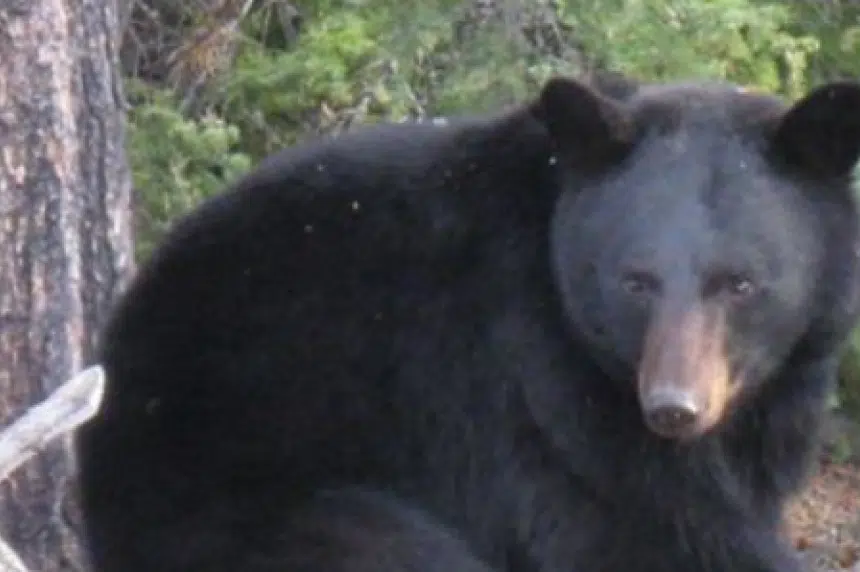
x=684, y=380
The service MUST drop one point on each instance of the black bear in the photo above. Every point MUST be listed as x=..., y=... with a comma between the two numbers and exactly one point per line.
x=591, y=333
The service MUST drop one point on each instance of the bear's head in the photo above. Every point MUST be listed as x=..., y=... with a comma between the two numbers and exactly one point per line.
x=705, y=239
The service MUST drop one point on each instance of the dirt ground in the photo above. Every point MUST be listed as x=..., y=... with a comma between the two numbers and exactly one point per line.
x=824, y=522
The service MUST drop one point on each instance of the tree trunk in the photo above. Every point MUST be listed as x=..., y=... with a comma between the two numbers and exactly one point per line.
x=65, y=239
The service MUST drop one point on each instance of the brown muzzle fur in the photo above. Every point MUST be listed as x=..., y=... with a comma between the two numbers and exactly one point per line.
x=684, y=380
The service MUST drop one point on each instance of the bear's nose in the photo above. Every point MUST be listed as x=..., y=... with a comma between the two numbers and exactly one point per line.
x=671, y=412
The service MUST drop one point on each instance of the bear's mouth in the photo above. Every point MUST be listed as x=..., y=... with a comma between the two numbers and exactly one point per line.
x=684, y=381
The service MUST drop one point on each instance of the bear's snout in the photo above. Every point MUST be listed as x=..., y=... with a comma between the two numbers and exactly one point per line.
x=684, y=380
x=671, y=410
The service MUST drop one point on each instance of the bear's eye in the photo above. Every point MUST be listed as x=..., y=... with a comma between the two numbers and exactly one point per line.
x=640, y=283
x=736, y=286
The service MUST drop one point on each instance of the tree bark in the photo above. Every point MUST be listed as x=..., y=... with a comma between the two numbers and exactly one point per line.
x=65, y=239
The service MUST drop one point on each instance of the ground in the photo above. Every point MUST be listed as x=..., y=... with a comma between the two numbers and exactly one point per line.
x=824, y=522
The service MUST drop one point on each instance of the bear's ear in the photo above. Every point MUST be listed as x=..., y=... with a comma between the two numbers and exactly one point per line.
x=820, y=134
x=589, y=130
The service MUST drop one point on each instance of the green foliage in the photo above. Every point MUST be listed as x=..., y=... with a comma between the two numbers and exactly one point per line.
x=374, y=61
x=176, y=162
x=276, y=96
x=745, y=42
x=836, y=25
